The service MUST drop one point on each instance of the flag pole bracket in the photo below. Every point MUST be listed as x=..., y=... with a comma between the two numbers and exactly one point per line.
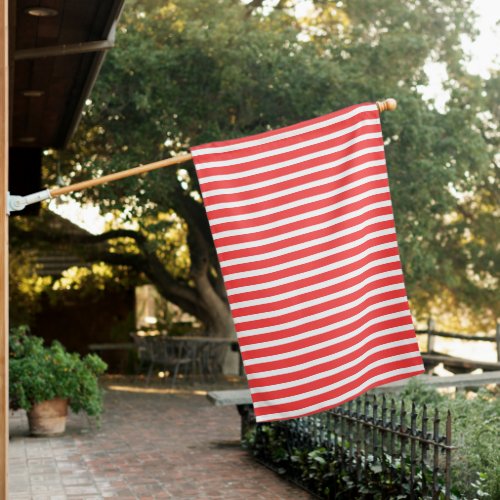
x=16, y=203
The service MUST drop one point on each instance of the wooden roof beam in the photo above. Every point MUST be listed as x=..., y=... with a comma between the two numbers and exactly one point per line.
x=63, y=50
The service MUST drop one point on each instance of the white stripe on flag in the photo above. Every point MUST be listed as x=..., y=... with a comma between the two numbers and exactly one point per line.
x=326, y=298
x=367, y=383
x=335, y=340
x=340, y=383
x=318, y=241
x=276, y=180
x=320, y=270
x=327, y=314
x=306, y=229
x=243, y=203
x=338, y=354
x=314, y=213
x=335, y=326
x=291, y=368
x=245, y=144
x=289, y=149
x=293, y=383
x=272, y=182
x=317, y=286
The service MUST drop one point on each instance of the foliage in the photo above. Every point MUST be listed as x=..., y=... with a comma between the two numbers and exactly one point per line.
x=332, y=472
x=476, y=434
x=25, y=286
x=188, y=72
x=30, y=289
x=475, y=465
x=421, y=394
x=39, y=373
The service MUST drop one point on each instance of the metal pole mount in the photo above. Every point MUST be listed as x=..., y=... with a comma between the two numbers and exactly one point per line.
x=16, y=203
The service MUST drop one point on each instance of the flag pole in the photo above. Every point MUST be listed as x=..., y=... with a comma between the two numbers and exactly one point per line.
x=182, y=158
x=19, y=202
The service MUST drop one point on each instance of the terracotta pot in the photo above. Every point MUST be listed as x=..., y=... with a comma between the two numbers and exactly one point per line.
x=48, y=418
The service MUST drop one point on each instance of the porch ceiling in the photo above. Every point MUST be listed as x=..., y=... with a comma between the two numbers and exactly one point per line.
x=54, y=63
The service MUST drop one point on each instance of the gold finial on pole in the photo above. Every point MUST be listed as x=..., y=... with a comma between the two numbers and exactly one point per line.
x=387, y=105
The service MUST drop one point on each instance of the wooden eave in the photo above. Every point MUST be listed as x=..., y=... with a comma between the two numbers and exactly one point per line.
x=50, y=78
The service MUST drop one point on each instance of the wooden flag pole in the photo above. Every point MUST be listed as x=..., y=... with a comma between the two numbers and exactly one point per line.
x=121, y=175
x=19, y=202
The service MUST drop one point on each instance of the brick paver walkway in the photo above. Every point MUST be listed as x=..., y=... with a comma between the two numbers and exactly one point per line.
x=150, y=445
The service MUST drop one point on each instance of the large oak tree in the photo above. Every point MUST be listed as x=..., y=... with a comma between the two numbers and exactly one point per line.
x=185, y=72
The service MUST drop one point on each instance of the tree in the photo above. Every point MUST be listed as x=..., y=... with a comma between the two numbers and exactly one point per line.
x=188, y=72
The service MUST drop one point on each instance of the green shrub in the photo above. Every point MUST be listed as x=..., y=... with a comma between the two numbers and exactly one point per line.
x=38, y=373
x=475, y=464
x=333, y=473
x=476, y=433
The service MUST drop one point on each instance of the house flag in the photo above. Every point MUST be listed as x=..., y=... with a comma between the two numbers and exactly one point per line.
x=303, y=226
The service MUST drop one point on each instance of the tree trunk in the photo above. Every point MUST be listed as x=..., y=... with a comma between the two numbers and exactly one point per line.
x=220, y=322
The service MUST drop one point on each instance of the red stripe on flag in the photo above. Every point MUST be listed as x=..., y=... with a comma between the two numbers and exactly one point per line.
x=289, y=160
x=301, y=262
x=343, y=371
x=308, y=236
x=256, y=350
x=295, y=189
x=359, y=377
x=337, y=328
x=303, y=227
x=298, y=374
x=264, y=303
x=348, y=128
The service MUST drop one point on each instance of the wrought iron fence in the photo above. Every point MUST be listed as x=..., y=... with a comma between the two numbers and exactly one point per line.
x=367, y=448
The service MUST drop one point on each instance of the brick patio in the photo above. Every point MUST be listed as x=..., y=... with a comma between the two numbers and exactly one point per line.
x=158, y=444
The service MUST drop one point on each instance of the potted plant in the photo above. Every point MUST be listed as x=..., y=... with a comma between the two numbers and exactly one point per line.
x=45, y=380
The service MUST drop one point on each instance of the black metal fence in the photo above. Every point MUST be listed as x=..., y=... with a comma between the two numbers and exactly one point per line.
x=368, y=448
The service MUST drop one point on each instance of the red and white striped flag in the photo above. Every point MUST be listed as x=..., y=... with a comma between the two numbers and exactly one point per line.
x=304, y=231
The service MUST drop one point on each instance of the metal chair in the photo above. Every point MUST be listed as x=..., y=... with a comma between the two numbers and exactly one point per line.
x=173, y=356
x=157, y=351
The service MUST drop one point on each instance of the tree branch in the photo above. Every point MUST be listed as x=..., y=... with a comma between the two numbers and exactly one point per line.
x=65, y=238
x=171, y=288
x=135, y=261
x=119, y=233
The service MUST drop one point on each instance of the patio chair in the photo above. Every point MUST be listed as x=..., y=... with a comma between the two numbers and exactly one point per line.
x=213, y=359
x=157, y=351
x=174, y=356
x=143, y=350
